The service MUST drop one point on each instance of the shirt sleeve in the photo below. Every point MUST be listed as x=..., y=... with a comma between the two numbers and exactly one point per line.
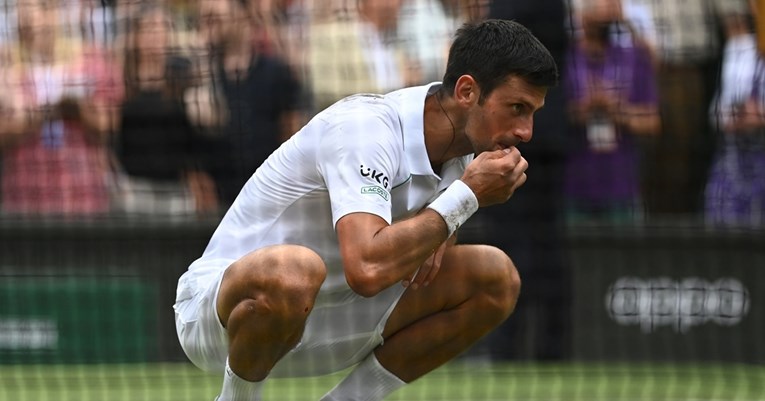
x=357, y=158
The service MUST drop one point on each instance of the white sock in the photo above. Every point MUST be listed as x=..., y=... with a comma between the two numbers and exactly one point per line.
x=237, y=389
x=369, y=381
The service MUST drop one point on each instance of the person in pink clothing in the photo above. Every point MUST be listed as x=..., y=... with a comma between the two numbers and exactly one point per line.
x=56, y=120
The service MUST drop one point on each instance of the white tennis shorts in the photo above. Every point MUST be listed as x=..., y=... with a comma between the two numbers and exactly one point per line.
x=342, y=329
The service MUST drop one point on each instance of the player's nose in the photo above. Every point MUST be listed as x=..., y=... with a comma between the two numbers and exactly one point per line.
x=524, y=130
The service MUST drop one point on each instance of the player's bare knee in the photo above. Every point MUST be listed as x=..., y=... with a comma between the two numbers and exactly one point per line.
x=301, y=267
x=502, y=283
x=300, y=285
x=311, y=265
x=286, y=294
x=513, y=284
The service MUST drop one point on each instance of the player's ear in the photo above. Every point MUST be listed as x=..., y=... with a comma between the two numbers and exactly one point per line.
x=466, y=91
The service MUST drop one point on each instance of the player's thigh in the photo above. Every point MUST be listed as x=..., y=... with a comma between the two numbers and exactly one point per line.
x=281, y=276
x=467, y=272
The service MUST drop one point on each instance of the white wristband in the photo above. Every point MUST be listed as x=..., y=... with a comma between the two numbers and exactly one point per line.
x=456, y=204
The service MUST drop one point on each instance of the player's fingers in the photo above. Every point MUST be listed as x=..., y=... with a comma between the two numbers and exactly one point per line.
x=437, y=257
x=493, y=154
x=510, y=160
x=522, y=164
x=406, y=282
x=512, y=154
x=409, y=281
x=520, y=181
x=423, y=272
x=518, y=169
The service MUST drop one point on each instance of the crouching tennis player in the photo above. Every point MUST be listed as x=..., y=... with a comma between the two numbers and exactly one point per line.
x=340, y=250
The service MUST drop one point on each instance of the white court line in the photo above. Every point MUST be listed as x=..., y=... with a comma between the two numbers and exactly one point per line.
x=588, y=399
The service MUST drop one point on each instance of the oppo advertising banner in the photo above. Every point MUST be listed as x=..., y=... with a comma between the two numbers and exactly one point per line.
x=668, y=295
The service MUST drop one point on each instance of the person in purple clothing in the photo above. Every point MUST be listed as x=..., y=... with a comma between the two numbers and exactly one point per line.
x=612, y=99
x=735, y=192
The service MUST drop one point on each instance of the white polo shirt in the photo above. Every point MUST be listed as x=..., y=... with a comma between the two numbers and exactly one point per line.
x=365, y=153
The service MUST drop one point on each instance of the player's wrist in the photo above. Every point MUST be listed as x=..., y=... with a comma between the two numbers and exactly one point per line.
x=455, y=205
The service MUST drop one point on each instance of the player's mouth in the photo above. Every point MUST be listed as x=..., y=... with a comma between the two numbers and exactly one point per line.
x=503, y=146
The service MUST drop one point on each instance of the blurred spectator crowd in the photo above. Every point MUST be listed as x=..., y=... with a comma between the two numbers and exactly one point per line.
x=167, y=107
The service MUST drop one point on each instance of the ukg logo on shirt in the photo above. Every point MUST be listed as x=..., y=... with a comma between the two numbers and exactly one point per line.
x=680, y=304
x=375, y=175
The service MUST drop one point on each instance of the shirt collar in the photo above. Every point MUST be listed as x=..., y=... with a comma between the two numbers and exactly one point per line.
x=411, y=104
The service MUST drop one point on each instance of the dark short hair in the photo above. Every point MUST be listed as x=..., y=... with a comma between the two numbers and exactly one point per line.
x=493, y=50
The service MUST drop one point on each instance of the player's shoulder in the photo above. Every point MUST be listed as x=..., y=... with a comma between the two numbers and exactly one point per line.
x=369, y=105
x=373, y=117
x=360, y=116
x=362, y=106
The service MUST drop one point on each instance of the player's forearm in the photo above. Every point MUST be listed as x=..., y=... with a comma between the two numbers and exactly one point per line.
x=394, y=252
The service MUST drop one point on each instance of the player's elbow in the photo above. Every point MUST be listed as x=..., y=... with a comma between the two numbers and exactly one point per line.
x=364, y=281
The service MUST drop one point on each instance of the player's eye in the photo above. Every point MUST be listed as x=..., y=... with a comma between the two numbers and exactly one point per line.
x=518, y=108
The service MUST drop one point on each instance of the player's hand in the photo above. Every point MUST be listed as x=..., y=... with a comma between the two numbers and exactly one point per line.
x=494, y=176
x=427, y=272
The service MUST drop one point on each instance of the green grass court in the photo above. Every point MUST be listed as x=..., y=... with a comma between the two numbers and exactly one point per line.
x=459, y=381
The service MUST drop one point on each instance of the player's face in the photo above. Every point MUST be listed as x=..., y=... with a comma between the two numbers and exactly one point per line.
x=506, y=116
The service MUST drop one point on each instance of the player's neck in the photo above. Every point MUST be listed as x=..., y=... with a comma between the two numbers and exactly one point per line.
x=444, y=130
